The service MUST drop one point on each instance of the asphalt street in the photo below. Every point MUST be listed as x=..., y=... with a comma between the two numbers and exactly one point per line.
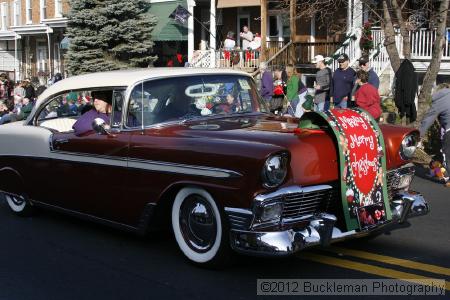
x=52, y=256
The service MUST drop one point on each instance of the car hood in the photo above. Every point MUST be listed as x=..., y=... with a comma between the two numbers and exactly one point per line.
x=313, y=156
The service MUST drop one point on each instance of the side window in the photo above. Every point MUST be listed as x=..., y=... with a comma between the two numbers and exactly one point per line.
x=154, y=102
x=135, y=111
x=61, y=112
x=117, y=108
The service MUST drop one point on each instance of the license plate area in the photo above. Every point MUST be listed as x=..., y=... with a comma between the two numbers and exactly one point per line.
x=371, y=216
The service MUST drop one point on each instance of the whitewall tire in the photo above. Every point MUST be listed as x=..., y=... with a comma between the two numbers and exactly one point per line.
x=199, y=228
x=19, y=204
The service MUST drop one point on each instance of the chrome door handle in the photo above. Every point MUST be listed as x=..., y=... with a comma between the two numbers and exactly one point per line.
x=61, y=141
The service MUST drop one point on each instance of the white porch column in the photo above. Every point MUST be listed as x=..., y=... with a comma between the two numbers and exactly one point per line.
x=212, y=25
x=357, y=21
x=16, y=58
x=313, y=36
x=358, y=16
x=349, y=15
x=191, y=5
x=50, y=67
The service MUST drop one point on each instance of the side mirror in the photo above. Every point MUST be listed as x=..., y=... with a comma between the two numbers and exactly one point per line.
x=99, y=125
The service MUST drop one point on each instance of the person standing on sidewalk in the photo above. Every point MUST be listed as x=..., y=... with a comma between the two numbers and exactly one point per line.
x=343, y=82
x=440, y=108
x=367, y=96
x=373, y=77
x=322, y=84
x=266, y=82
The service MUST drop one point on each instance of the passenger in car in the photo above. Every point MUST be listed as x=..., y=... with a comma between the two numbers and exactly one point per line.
x=102, y=109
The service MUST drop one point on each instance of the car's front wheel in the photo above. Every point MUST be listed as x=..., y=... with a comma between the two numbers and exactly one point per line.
x=19, y=204
x=199, y=229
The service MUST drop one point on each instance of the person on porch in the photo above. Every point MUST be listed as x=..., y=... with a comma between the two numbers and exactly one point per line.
x=247, y=37
x=229, y=42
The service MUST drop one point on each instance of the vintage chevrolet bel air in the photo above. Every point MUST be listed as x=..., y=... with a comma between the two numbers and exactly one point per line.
x=197, y=150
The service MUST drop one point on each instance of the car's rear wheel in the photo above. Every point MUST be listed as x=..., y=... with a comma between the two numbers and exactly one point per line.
x=199, y=228
x=19, y=204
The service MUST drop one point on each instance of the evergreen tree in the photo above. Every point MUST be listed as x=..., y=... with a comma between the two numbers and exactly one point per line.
x=109, y=35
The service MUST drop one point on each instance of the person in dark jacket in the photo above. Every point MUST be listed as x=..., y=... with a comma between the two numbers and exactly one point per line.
x=30, y=93
x=440, y=108
x=266, y=82
x=102, y=109
x=373, y=77
x=27, y=107
x=406, y=86
x=343, y=82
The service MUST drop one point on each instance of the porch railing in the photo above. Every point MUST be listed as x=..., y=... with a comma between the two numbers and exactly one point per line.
x=422, y=42
x=302, y=53
x=247, y=59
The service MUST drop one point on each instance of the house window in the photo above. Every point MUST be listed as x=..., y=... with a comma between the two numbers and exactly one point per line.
x=4, y=14
x=29, y=12
x=273, y=25
x=58, y=9
x=56, y=59
x=16, y=10
x=42, y=57
x=43, y=9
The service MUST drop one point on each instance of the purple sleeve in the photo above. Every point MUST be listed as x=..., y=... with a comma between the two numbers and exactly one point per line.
x=84, y=123
x=267, y=85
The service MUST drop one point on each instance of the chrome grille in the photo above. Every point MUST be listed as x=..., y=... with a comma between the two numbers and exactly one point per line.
x=393, y=178
x=309, y=202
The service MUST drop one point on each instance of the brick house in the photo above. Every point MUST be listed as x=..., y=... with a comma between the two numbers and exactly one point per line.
x=32, y=37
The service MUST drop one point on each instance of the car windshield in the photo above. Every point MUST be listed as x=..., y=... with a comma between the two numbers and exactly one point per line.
x=184, y=98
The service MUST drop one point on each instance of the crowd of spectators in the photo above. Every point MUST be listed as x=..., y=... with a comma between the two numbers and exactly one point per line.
x=286, y=94
x=17, y=99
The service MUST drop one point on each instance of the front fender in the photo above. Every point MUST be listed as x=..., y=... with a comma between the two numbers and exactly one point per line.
x=393, y=137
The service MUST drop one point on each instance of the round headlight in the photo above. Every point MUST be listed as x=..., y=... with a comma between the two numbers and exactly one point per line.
x=274, y=170
x=408, y=147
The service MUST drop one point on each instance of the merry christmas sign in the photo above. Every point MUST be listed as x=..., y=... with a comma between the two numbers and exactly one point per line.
x=362, y=164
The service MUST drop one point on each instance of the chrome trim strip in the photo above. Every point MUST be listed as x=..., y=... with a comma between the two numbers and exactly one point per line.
x=294, y=189
x=408, y=165
x=87, y=216
x=239, y=210
x=150, y=165
x=182, y=168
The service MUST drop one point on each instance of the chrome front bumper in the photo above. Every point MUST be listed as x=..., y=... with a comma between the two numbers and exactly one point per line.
x=320, y=230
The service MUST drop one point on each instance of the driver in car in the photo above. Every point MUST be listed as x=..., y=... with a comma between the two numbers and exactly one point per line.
x=102, y=109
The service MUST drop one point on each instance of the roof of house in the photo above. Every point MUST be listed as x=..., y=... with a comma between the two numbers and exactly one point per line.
x=167, y=29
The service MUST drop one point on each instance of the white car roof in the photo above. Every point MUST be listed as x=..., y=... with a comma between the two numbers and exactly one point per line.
x=124, y=78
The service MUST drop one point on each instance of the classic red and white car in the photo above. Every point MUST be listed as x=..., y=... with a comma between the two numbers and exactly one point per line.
x=196, y=149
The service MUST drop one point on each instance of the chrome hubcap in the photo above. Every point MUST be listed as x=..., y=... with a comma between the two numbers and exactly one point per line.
x=17, y=204
x=198, y=223
x=17, y=201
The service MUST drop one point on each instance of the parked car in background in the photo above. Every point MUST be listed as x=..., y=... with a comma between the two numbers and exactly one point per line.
x=195, y=149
